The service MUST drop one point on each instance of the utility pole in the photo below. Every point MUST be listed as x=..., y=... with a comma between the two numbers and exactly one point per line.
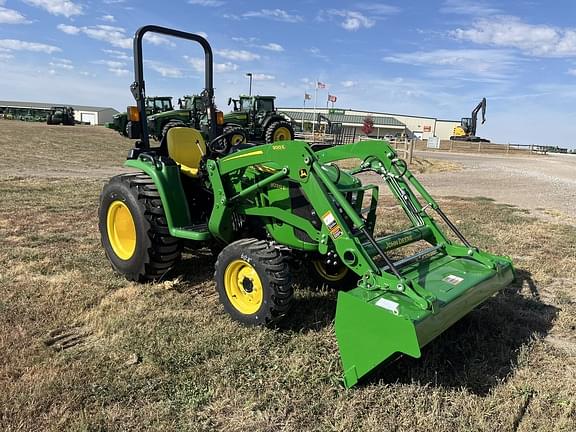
x=249, y=75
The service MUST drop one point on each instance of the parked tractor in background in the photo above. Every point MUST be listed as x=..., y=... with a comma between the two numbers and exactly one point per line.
x=191, y=113
x=467, y=129
x=154, y=105
x=259, y=119
x=61, y=115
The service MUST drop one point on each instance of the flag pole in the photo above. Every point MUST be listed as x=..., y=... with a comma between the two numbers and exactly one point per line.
x=303, y=111
x=315, y=100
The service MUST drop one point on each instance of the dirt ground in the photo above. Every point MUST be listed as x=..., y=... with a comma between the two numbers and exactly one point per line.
x=543, y=184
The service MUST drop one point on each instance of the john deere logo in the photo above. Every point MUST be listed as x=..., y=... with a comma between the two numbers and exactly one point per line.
x=303, y=173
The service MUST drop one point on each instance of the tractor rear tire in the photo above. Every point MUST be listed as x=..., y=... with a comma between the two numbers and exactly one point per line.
x=171, y=124
x=253, y=281
x=279, y=131
x=235, y=138
x=133, y=229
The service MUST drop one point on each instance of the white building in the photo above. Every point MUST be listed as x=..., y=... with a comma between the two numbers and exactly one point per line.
x=88, y=114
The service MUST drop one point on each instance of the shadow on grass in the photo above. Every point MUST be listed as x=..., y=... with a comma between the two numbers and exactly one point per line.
x=483, y=348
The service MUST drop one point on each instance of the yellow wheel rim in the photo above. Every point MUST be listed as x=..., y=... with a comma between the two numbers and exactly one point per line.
x=121, y=230
x=243, y=287
x=338, y=274
x=237, y=139
x=281, y=134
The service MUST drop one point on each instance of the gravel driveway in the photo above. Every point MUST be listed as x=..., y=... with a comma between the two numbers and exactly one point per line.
x=545, y=185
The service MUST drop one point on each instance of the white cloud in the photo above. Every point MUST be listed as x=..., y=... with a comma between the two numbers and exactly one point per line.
x=272, y=47
x=66, y=8
x=118, y=68
x=349, y=83
x=108, y=18
x=468, y=7
x=119, y=71
x=510, y=32
x=62, y=64
x=238, y=55
x=110, y=63
x=115, y=36
x=378, y=9
x=155, y=39
x=18, y=45
x=572, y=72
x=198, y=65
x=120, y=55
x=11, y=16
x=69, y=29
x=5, y=56
x=460, y=62
x=273, y=14
x=207, y=3
x=165, y=71
x=350, y=20
x=263, y=77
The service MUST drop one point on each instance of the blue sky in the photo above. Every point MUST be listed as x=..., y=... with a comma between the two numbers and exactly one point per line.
x=434, y=58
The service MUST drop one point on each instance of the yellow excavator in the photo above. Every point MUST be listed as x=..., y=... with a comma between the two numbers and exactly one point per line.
x=467, y=129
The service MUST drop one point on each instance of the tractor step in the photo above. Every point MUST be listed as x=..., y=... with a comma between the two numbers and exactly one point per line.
x=197, y=232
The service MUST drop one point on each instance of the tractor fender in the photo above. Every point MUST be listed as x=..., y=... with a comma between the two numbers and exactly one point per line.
x=166, y=177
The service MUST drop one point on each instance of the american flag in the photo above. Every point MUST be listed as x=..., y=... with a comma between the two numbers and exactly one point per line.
x=321, y=85
x=332, y=98
x=307, y=96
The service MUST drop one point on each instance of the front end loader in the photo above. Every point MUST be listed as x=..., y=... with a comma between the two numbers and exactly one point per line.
x=267, y=207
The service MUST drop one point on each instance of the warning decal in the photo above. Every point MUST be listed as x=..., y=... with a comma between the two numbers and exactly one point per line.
x=453, y=280
x=333, y=227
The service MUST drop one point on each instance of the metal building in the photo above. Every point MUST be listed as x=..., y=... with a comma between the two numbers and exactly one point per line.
x=82, y=113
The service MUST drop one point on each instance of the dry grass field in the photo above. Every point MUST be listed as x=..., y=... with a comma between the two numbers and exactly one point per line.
x=83, y=349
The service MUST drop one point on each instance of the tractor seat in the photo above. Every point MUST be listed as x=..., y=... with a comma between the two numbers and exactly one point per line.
x=186, y=147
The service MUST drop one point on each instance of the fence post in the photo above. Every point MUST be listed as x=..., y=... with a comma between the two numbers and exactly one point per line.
x=410, y=151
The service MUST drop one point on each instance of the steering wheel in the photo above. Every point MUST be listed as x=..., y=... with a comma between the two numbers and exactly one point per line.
x=221, y=144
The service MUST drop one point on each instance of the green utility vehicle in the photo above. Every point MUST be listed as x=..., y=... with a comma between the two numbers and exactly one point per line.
x=61, y=115
x=259, y=119
x=272, y=206
x=191, y=113
x=154, y=105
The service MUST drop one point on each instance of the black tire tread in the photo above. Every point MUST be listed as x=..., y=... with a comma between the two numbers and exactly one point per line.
x=163, y=250
x=276, y=267
x=275, y=125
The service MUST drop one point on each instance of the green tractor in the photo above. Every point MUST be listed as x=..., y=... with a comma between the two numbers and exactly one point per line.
x=270, y=207
x=259, y=119
x=154, y=105
x=61, y=115
x=191, y=113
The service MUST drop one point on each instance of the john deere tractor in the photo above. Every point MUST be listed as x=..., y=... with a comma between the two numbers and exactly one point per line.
x=154, y=105
x=258, y=117
x=191, y=112
x=61, y=115
x=270, y=207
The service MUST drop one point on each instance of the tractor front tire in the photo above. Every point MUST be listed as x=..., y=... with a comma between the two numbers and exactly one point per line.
x=333, y=276
x=253, y=281
x=133, y=229
x=279, y=131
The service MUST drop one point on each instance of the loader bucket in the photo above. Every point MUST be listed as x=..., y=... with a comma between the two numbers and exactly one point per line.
x=372, y=327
